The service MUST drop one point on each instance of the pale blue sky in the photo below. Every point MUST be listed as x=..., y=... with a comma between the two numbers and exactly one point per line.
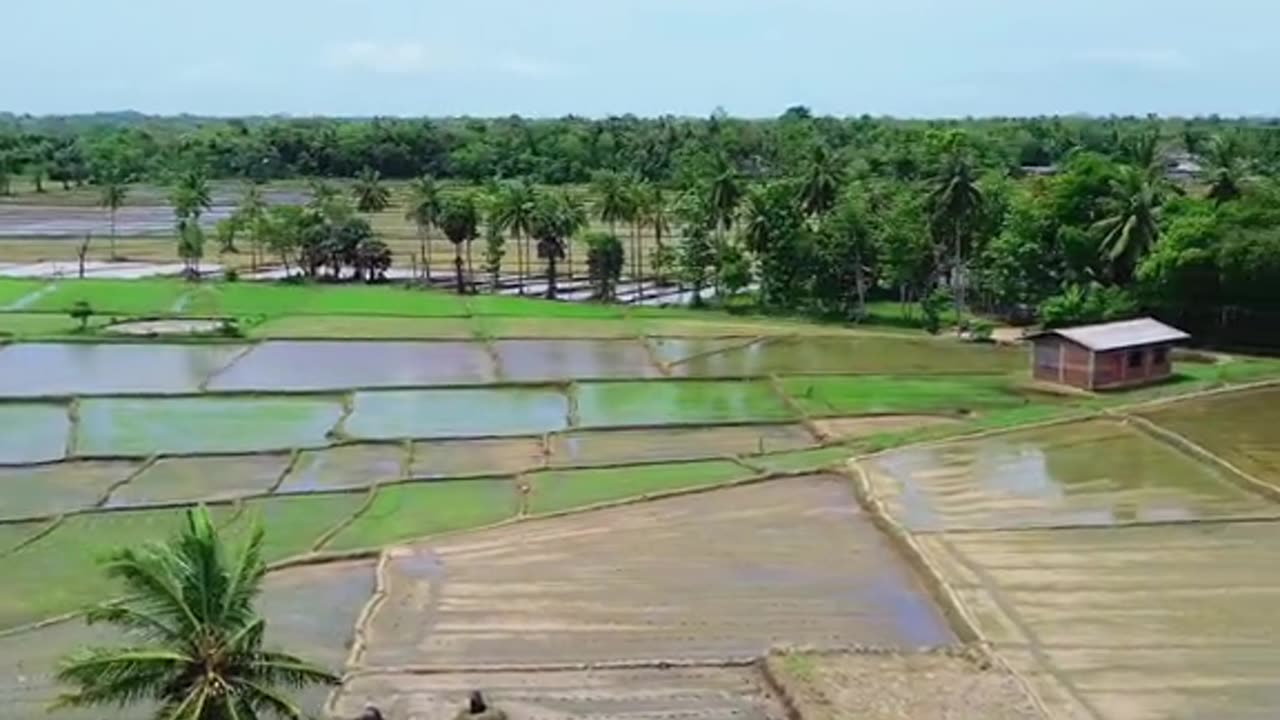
x=597, y=57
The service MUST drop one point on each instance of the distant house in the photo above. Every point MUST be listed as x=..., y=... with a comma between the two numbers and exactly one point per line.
x=1107, y=356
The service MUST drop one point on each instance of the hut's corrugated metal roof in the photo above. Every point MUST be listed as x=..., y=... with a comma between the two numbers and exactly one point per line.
x=1116, y=335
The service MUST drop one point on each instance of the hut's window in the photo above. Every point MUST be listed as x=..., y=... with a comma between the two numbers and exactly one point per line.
x=1160, y=356
x=1135, y=359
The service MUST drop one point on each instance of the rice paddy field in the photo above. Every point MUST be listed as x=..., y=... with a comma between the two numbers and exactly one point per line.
x=493, y=483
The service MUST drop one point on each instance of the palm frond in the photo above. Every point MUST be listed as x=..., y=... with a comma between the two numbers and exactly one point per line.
x=246, y=578
x=261, y=696
x=149, y=573
x=118, y=676
x=280, y=668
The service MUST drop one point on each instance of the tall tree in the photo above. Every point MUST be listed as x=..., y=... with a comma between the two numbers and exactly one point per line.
x=423, y=211
x=1133, y=226
x=615, y=203
x=513, y=211
x=190, y=198
x=459, y=220
x=553, y=222
x=724, y=193
x=821, y=182
x=605, y=259
x=956, y=200
x=112, y=192
x=370, y=194
x=655, y=213
x=1226, y=170
x=250, y=212
x=198, y=649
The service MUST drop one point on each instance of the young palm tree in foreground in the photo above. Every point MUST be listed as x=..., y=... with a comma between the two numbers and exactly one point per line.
x=199, y=654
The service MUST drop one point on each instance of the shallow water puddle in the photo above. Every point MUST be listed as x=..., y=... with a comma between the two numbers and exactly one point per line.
x=1243, y=428
x=608, y=404
x=345, y=467
x=171, y=480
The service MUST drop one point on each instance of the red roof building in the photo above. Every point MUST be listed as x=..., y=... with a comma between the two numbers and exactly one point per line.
x=1107, y=356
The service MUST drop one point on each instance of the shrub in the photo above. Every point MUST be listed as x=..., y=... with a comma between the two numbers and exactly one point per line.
x=231, y=275
x=81, y=311
x=932, y=307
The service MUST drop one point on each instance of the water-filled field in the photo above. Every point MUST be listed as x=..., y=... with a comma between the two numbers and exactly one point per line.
x=1242, y=428
x=1090, y=473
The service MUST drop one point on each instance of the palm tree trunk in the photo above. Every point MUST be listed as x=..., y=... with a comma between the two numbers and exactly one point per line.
x=457, y=267
x=471, y=273
x=657, y=236
x=426, y=257
x=113, y=234
x=551, y=276
x=422, y=252
x=959, y=275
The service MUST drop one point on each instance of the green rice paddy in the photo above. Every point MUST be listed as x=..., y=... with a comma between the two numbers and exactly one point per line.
x=495, y=408
x=401, y=512
x=565, y=489
x=609, y=404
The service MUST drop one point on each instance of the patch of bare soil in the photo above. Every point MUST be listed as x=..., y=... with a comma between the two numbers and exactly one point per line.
x=721, y=575
x=900, y=687
x=684, y=694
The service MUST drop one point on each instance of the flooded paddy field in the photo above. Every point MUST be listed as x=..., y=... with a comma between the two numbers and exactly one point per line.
x=463, y=412
x=345, y=467
x=1124, y=623
x=1098, y=472
x=604, y=447
x=35, y=491
x=551, y=360
x=33, y=432
x=51, y=369
x=617, y=404
x=201, y=479
x=851, y=354
x=481, y=456
x=637, y=694
x=144, y=426
x=724, y=574
x=1242, y=428
x=403, y=512
x=321, y=365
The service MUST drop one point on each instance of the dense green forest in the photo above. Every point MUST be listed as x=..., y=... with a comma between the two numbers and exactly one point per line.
x=1058, y=219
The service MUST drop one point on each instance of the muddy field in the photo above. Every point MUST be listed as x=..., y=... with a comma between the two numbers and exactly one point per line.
x=1088, y=473
x=1242, y=428
x=720, y=575
x=690, y=694
x=892, y=686
x=1129, y=623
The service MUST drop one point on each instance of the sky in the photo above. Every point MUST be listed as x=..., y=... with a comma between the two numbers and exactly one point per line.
x=755, y=58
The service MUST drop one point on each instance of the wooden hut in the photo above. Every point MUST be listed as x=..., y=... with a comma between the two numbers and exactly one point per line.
x=1106, y=356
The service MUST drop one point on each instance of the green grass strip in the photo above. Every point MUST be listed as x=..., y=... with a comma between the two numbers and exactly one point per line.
x=412, y=510
x=565, y=489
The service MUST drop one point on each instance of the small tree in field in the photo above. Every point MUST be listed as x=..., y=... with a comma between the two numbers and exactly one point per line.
x=605, y=259
x=81, y=311
x=198, y=642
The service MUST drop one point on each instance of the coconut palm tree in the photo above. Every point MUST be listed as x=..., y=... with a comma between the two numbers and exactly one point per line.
x=616, y=203
x=821, y=181
x=423, y=211
x=190, y=198
x=459, y=221
x=370, y=194
x=250, y=213
x=956, y=199
x=555, y=220
x=655, y=213
x=1133, y=227
x=513, y=212
x=111, y=196
x=199, y=642
x=1227, y=170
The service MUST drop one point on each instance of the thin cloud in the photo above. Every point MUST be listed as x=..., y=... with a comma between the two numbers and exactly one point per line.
x=529, y=67
x=1156, y=59
x=408, y=58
